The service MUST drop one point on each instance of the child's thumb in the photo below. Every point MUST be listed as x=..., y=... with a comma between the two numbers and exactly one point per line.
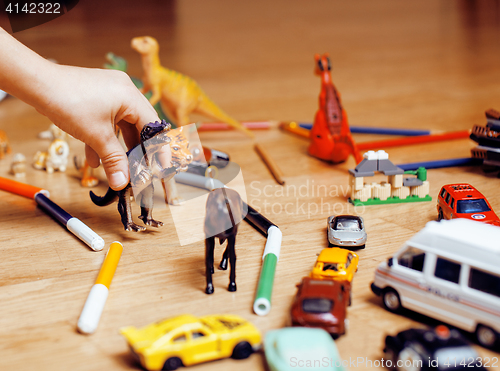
x=115, y=163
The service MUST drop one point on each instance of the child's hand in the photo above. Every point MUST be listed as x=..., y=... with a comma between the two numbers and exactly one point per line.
x=87, y=103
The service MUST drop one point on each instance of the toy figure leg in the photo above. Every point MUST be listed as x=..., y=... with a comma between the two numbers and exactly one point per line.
x=146, y=202
x=209, y=263
x=231, y=241
x=223, y=262
x=125, y=210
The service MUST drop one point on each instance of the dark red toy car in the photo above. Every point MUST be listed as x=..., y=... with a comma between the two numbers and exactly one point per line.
x=322, y=304
x=465, y=201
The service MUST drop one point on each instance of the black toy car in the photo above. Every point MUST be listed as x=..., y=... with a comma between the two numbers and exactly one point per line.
x=433, y=349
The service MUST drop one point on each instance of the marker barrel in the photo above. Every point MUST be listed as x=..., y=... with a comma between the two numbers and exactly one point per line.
x=74, y=225
x=262, y=303
x=92, y=310
x=21, y=189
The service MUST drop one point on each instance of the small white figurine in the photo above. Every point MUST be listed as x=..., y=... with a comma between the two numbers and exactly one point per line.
x=56, y=158
x=18, y=165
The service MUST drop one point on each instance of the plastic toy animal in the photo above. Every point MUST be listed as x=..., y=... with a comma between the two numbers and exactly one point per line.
x=144, y=165
x=178, y=94
x=331, y=138
x=224, y=213
x=56, y=157
x=4, y=145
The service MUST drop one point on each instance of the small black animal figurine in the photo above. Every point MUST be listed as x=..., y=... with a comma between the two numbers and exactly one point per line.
x=223, y=215
x=144, y=165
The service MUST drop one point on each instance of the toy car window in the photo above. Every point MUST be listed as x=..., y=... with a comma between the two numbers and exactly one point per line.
x=347, y=224
x=447, y=270
x=443, y=192
x=179, y=339
x=452, y=205
x=230, y=324
x=349, y=258
x=197, y=334
x=472, y=206
x=485, y=282
x=331, y=267
x=447, y=199
x=317, y=305
x=412, y=258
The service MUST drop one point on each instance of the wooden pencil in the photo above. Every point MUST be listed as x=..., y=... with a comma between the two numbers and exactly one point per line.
x=271, y=165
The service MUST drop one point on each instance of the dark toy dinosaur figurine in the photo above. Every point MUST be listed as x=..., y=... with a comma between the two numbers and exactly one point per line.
x=223, y=215
x=144, y=166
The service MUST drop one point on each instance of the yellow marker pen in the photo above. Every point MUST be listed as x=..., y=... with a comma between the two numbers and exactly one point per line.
x=92, y=310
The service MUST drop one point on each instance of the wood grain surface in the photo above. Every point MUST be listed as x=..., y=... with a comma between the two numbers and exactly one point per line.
x=423, y=64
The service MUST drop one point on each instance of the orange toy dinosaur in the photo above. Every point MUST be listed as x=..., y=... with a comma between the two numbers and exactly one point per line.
x=178, y=94
x=331, y=138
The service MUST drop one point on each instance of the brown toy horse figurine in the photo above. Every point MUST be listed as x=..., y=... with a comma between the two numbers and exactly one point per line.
x=224, y=213
x=331, y=138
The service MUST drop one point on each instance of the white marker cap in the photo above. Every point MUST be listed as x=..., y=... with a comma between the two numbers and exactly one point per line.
x=84, y=233
x=92, y=310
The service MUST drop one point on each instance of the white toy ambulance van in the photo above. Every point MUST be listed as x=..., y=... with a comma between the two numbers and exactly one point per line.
x=450, y=271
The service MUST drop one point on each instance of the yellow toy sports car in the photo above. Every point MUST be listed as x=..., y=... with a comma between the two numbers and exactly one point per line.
x=336, y=264
x=188, y=340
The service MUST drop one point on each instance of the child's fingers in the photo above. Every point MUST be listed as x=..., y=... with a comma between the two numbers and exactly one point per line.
x=92, y=157
x=114, y=161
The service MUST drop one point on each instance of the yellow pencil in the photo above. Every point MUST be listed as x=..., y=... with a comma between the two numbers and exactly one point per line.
x=295, y=128
x=92, y=310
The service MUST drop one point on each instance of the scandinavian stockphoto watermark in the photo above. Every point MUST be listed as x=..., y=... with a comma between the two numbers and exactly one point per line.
x=407, y=364
x=308, y=199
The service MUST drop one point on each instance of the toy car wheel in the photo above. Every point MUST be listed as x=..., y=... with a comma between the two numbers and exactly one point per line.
x=172, y=364
x=486, y=336
x=391, y=299
x=440, y=214
x=242, y=350
x=409, y=360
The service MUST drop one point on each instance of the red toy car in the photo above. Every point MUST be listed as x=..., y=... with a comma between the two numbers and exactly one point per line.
x=465, y=201
x=322, y=304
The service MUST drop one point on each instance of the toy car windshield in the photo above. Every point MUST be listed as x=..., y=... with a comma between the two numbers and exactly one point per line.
x=331, y=267
x=317, y=305
x=347, y=224
x=472, y=206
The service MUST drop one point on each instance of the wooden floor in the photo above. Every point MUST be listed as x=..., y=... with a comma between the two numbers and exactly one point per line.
x=422, y=64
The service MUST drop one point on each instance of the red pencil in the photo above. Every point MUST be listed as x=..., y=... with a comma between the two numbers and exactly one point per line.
x=378, y=144
x=405, y=141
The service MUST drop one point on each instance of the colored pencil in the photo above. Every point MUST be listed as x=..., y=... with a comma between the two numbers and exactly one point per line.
x=438, y=164
x=406, y=141
x=271, y=165
x=293, y=127
x=380, y=131
x=94, y=305
x=218, y=126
